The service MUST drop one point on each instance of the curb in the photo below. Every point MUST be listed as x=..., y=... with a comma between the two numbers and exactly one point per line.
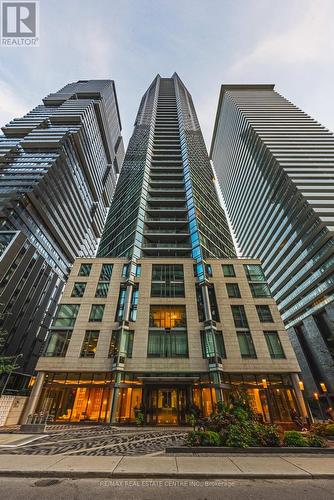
x=160, y=475
x=249, y=451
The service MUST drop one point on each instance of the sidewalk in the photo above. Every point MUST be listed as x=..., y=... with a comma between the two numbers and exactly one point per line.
x=205, y=467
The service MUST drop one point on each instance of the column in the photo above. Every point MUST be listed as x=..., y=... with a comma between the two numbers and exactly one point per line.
x=299, y=396
x=34, y=397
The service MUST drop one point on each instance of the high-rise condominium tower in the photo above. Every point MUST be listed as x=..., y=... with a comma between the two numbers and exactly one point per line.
x=166, y=318
x=58, y=167
x=275, y=165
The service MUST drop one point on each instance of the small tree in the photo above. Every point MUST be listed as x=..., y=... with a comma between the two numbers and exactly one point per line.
x=7, y=363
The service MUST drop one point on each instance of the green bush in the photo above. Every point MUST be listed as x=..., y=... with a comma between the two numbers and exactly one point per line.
x=330, y=430
x=294, y=438
x=203, y=438
x=323, y=429
x=315, y=441
x=266, y=435
x=240, y=436
x=237, y=426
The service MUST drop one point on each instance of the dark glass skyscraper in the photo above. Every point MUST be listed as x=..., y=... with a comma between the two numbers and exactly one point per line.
x=58, y=168
x=166, y=320
x=275, y=167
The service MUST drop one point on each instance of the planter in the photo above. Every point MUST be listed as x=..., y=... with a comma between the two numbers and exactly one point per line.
x=251, y=450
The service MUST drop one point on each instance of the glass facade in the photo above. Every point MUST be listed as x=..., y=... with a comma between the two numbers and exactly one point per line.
x=165, y=202
x=87, y=397
x=280, y=205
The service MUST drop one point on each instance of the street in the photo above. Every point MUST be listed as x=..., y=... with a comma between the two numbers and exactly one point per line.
x=147, y=489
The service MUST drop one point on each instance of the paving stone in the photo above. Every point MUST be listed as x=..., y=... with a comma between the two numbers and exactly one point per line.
x=101, y=441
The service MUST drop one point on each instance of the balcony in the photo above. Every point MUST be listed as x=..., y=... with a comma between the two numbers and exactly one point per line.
x=165, y=235
x=163, y=184
x=166, y=249
x=165, y=220
x=166, y=190
x=163, y=211
x=165, y=201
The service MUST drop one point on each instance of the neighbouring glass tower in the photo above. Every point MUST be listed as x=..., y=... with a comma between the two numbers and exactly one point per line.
x=275, y=166
x=58, y=168
x=166, y=320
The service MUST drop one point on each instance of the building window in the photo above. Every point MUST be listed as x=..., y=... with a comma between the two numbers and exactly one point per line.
x=208, y=270
x=254, y=272
x=85, y=269
x=168, y=317
x=260, y=290
x=89, y=344
x=134, y=303
x=233, y=290
x=212, y=344
x=212, y=300
x=115, y=343
x=247, y=349
x=102, y=290
x=78, y=290
x=274, y=345
x=228, y=270
x=120, y=304
x=106, y=272
x=167, y=334
x=167, y=344
x=57, y=343
x=167, y=280
x=66, y=315
x=264, y=314
x=239, y=316
x=125, y=270
x=104, y=280
x=138, y=270
x=5, y=240
x=96, y=312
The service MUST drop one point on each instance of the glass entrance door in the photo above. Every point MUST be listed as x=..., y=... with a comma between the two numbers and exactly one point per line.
x=166, y=405
x=167, y=408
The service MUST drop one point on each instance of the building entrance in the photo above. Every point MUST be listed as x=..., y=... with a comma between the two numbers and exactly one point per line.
x=166, y=405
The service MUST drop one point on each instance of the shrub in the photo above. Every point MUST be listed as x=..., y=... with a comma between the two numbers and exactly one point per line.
x=323, y=429
x=203, y=438
x=294, y=438
x=266, y=435
x=240, y=436
x=237, y=426
x=315, y=441
x=330, y=430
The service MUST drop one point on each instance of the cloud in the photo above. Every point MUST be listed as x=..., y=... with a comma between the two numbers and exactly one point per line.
x=308, y=41
x=12, y=104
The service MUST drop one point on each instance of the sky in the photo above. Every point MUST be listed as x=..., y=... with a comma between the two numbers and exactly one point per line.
x=207, y=42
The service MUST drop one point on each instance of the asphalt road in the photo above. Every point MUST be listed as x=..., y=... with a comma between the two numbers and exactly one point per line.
x=166, y=489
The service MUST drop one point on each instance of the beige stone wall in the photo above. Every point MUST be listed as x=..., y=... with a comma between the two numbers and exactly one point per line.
x=195, y=362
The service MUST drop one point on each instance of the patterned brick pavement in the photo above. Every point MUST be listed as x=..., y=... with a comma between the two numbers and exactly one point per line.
x=101, y=440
